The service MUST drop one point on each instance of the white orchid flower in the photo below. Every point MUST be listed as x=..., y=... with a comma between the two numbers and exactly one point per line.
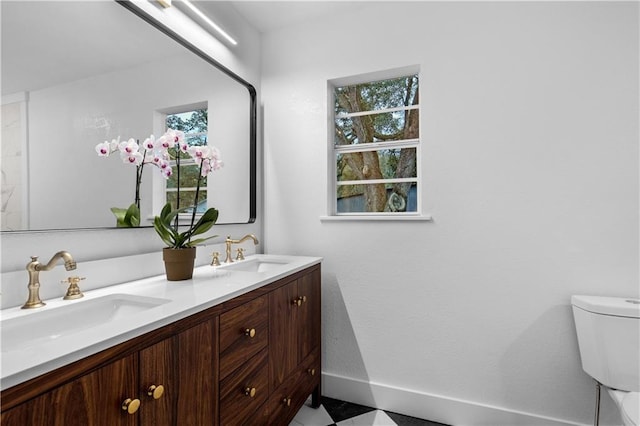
x=149, y=143
x=103, y=149
x=135, y=158
x=177, y=136
x=198, y=153
x=164, y=142
x=129, y=147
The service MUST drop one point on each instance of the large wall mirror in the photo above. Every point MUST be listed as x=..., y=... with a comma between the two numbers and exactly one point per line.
x=75, y=74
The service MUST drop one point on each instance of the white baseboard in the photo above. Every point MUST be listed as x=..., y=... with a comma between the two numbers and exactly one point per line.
x=451, y=411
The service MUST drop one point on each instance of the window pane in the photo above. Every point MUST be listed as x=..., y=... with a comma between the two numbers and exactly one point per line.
x=188, y=177
x=380, y=164
x=186, y=199
x=387, y=126
x=377, y=95
x=372, y=198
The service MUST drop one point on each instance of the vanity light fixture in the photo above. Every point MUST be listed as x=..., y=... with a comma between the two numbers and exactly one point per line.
x=206, y=19
x=165, y=3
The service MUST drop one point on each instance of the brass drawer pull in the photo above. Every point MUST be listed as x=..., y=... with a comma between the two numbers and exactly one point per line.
x=155, y=391
x=296, y=302
x=250, y=332
x=250, y=392
x=312, y=371
x=131, y=405
x=287, y=402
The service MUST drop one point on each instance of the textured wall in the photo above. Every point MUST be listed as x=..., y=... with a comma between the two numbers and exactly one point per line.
x=530, y=157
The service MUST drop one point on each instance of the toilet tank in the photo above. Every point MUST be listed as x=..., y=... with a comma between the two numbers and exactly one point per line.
x=608, y=330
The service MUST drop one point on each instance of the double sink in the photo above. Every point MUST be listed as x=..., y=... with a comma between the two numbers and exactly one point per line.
x=63, y=331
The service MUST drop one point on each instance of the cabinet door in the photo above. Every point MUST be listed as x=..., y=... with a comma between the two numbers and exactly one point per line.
x=157, y=369
x=283, y=337
x=94, y=399
x=196, y=390
x=308, y=321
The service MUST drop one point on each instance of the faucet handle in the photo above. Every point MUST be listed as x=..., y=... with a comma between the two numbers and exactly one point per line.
x=216, y=259
x=73, y=292
x=240, y=255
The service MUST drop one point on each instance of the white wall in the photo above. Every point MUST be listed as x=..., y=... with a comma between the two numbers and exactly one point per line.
x=86, y=245
x=529, y=120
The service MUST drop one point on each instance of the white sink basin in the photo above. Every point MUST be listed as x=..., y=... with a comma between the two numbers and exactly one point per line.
x=255, y=265
x=42, y=326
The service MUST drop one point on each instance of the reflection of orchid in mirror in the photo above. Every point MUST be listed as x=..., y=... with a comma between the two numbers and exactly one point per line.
x=152, y=151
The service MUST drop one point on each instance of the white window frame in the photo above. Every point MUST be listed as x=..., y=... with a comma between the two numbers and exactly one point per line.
x=333, y=150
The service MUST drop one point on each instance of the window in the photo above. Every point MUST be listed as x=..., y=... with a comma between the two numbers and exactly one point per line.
x=180, y=188
x=376, y=147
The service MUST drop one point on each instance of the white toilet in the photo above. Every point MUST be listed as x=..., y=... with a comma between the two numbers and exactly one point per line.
x=608, y=330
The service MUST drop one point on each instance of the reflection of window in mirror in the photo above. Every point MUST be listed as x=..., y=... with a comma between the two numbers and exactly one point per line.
x=180, y=188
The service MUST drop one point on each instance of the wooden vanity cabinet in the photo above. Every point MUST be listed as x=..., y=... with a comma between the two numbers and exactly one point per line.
x=294, y=346
x=92, y=400
x=252, y=360
x=182, y=364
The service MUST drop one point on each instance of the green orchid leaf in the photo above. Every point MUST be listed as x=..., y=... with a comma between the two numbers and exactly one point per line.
x=132, y=216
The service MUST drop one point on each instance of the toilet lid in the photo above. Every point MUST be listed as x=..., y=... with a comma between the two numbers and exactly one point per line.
x=631, y=408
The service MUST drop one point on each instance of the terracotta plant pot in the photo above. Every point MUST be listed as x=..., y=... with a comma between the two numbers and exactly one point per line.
x=178, y=263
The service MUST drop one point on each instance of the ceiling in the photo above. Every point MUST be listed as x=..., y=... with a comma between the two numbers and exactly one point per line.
x=271, y=15
x=34, y=41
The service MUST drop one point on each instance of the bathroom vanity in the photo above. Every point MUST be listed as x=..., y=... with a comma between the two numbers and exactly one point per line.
x=235, y=345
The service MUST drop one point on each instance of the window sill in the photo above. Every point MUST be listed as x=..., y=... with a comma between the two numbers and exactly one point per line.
x=379, y=218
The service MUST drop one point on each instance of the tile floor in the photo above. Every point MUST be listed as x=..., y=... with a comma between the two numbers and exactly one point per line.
x=340, y=413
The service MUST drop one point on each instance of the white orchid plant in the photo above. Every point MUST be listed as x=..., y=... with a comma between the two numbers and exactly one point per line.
x=157, y=152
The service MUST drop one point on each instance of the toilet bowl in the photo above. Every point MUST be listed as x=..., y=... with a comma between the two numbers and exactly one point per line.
x=608, y=330
x=629, y=405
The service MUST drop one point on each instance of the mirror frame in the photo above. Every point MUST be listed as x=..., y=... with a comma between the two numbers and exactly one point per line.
x=250, y=88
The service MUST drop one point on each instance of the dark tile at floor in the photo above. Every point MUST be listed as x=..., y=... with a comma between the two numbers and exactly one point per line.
x=403, y=420
x=342, y=412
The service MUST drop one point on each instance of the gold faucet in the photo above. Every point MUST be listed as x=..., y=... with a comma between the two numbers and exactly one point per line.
x=34, y=267
x=229, y=241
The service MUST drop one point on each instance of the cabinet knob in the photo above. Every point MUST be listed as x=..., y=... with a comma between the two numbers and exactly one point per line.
x=303, y=298
x=250, y=332
x=312, y=371
x=297, y=302
x=131, y=405
x=155, y=391
x=287, y=402
x=250, y=392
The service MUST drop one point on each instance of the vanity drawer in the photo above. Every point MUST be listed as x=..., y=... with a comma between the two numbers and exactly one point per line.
x=287, y=399
x=310, y=373
x=244, y=331
x=244, y=390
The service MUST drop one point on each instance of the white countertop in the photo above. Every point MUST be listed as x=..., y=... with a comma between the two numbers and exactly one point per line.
x=209, y=287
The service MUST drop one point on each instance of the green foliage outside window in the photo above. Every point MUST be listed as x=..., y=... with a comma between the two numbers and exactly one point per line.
x=194, y=124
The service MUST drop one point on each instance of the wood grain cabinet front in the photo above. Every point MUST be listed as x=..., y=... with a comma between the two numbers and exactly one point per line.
x=163, y=384
x=94, y=399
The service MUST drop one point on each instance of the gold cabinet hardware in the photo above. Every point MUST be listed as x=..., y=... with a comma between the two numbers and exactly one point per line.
x=155, y=391
x=250, y=392
x=299, y=300
x=251, y=333
x=131, y=405
x=312, y=371
x=287, y=402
